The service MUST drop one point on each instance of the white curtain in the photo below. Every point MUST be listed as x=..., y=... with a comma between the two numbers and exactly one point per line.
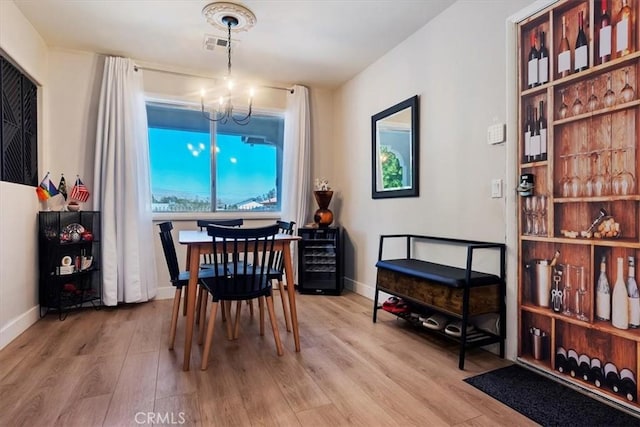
x=296, y=180
x=122, y=186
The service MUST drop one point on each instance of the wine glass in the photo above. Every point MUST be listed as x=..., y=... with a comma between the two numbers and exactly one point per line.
x=576, y=108
x=574, y=180
x=623, y=181
x=581, y=292
x=535, y=215
x=627, y=93
x=562, y=111
x=609, y=97
x=527, y=214
x=592, y=103
x=566, y=181
x=590, y=185
x=542, y=208
x=566, y=292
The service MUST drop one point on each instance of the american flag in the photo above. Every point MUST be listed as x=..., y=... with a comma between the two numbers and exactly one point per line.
x=79, y=192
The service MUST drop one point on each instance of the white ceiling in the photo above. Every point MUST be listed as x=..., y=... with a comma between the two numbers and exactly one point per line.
x=313, y=42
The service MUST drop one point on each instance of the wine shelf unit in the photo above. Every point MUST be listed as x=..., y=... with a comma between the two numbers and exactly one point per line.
x=592, y=166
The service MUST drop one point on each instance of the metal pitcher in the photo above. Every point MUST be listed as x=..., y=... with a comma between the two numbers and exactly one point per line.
x=540, y=271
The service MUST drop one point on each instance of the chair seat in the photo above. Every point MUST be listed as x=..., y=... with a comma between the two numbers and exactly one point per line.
x=183, y=277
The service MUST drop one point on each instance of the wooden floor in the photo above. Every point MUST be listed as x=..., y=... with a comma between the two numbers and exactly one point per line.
x=112, y=367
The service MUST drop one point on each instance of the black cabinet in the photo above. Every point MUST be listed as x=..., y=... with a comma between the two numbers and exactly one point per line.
x=69, y=261
x=320, y=261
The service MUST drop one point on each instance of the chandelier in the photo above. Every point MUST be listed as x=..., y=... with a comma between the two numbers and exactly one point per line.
x=228, y=16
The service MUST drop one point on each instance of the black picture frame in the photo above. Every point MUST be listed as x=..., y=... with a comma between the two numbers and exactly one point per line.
x=395, y=150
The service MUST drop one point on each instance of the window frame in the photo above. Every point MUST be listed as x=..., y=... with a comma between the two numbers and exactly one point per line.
x=246, y=214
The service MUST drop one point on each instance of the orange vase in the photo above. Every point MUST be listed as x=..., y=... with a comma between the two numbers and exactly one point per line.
x=323, y=216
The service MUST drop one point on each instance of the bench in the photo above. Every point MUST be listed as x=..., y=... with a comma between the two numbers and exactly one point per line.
x=455, y=291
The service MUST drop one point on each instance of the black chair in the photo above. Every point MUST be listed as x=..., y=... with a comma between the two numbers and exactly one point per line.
x=251, y=253
x=179, y=279
x=277, y=272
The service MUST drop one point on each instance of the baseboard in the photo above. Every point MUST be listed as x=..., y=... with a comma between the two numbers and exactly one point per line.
x=359, y=288
x=18, y=325
x=165, y=292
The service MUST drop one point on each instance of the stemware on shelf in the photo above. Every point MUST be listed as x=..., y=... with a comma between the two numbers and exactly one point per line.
x=542, y=207
x=590, y=183
x=535, y=214
x=609, y=98
x=566, y=292
x=528, y=211
x=562, y=111
x=592, y=102
x=600, y=187
x=566, y=180
x=623, y=182
x=581, y=292
x=577, y=106
x=575, y=185
x=627, y=93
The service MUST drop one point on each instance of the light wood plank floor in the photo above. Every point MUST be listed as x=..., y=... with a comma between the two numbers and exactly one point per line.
x=112, y=367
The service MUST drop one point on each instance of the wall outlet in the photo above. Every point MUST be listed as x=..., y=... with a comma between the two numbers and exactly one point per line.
x=496, y=133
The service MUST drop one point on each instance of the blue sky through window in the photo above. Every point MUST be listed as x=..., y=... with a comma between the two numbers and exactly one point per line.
x=244, y=171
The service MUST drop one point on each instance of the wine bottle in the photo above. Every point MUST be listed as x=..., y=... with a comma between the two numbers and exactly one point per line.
x=542, y=130
x=561, y=359
x=634, y=295
x=564, y=55
x=624, y=30
x=605, y=34
x=533, y=63
x=627, y=385
x=543, y=61
x=584, y=367
x=572, y=362
x=611, y=377
x=535, y=137
x=603, y=294
x=527, y=136
x=582, y=49
x=620, y=300
x=597, y=376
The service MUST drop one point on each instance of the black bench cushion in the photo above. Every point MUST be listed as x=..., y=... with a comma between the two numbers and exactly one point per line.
x=438, y=273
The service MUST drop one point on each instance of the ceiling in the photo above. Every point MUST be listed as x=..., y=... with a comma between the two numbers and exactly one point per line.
x=320, y=43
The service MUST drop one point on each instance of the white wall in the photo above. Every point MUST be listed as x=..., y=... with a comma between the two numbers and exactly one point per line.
x=18, y=203
x=456, y=64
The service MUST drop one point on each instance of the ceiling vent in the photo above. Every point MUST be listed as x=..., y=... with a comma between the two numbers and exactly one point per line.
x=214, y=43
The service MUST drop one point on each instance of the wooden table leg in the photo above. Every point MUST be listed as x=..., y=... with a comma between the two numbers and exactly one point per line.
x=193, y=255
x=288, y=269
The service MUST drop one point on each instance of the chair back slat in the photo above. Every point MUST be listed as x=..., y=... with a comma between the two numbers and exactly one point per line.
x=169, y=249
x=202, y=223
x=284, y=227
x=251, y=255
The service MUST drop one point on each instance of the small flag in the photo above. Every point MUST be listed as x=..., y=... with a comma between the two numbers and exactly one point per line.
x=62, y=187
x=46, y=189
x=79, y=192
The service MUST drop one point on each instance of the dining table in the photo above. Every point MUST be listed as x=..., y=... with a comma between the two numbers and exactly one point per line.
x=198, y=243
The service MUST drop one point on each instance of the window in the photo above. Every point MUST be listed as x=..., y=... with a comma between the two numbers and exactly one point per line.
x=202, y=166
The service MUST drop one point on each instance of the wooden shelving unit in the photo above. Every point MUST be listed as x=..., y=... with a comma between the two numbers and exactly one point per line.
x=593, y=163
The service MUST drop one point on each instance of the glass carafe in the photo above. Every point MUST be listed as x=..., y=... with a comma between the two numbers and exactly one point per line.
x=566, y=292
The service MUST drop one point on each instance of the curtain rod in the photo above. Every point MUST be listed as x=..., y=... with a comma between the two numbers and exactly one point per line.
x=178, y=73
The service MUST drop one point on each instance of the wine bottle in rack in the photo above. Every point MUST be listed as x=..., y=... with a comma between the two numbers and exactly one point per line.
x=620, y=299
x=543, y=60
x=561, y=360
x=624, y=30
x=533, y=63
x=542, y=130
x=582, y=46
x=584, y=367
x=572, y=362
x=603, y=294
x=527, y=136
x=634, y=295
x=535, y=137
x=597, y=375
x=605, y=34
x=611, y=376
x=564, y=52
x=627, y=386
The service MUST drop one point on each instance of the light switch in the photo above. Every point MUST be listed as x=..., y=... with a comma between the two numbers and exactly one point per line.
x=495, y=133
x=496, y=188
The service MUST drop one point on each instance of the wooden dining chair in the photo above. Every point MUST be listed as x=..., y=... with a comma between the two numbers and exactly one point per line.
x=179, y=279
x=251, y=253
x=277, y=272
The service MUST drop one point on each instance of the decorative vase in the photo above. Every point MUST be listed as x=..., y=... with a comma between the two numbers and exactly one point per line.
x=323, y=216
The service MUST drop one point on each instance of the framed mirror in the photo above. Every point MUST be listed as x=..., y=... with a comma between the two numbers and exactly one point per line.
x=394, y=149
